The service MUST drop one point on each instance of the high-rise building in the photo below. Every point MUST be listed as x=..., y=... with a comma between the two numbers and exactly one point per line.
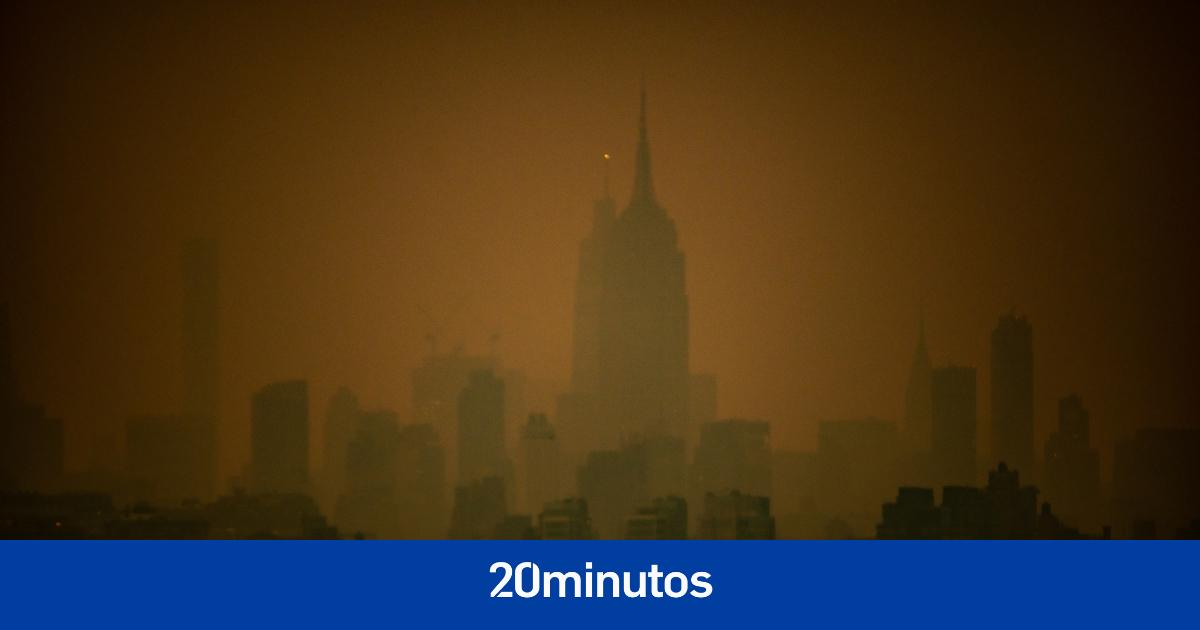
x=369, y=505
x=31, y=443
x=201, y=356
x=589, y=295
x=1012, y=394
x=733, y=455
x=31, y=449
x=279, y=438
x=918, y=399
x=481, y=451
x=422, y=482
x=630, y=365
x=436, y=385
x=341, y=420
x=1071, y=471
x=565, y=519
x=479, y=509
x=665, y=518
x=395, y=479
x=540, y=466
x=736, y=516
x=1156, y=482
x=954, y=425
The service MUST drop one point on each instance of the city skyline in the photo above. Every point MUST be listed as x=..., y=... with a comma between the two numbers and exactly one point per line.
x=802, y=310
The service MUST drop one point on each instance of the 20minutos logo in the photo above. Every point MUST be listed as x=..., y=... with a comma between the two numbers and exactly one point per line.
x=528, y=580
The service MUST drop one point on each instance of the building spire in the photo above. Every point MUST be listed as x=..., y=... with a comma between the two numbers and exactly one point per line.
x=643, y=184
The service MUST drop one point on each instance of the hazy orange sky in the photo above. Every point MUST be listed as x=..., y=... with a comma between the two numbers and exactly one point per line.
x=831, y=171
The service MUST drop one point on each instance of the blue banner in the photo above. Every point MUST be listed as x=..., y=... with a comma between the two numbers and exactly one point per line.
x=314, y=584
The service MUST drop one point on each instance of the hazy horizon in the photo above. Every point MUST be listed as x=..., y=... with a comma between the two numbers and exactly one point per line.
x=833, y=173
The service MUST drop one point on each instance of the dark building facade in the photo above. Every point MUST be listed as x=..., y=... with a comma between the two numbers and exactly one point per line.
x=481, y=451
x=918, y=399
x=1004, y=509
x=1156, y=482
x=736, y=516
x=279, y=438
x=540, y=468
x=1071, y=469
x=1012, y=394
x=630, y=363
x=31, y=443
x=953, y=410
x=665, y=518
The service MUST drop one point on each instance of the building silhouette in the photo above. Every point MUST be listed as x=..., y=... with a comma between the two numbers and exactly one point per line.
x=1004, y=509
x=31, y=448
x=732, y=455
x=1071, y=470
x=201, y=358
x=918, y=409
x=436, y=385
x=736, y=516
x=630, y=359
x=540, y=468
x=370, y=503
x=479, y=509
x=1012, y=393
x=31, y=443
x=395, y=479
x=665, y=518
x=481, y=448
x=612, y=482
x=954, y=425
x=279, y=438
x=1156, y=482
x=341, y=424
x=565, y=519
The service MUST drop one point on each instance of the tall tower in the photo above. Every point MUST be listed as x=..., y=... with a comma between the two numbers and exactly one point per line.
x=918, y=399
x=642, y=328
x=481, y=450
x=589, y=291
x=1012, y=394
x=954, y=425
x=201, y=358
x=279, y=437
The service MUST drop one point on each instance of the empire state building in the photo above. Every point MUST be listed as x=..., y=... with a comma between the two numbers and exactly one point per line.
x=630, y=363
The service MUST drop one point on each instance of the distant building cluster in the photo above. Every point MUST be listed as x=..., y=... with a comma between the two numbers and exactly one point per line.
x=634, y=449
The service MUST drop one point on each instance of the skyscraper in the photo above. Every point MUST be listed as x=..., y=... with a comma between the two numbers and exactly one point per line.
x=954, y=425
x=540, y=466
x=201, y=356
x=31, y=443
x=1072, y=467
x=341, y=420
x=481, y=430
x=630, y=364
x=918, y=400
x=279, y=438
x=436, y=385
x=1012, y=394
